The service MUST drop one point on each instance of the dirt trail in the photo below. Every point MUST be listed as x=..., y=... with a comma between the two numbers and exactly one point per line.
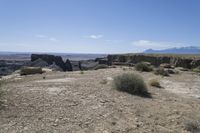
x=80, y=103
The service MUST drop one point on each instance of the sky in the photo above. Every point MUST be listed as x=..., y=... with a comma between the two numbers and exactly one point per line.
x=98, y=26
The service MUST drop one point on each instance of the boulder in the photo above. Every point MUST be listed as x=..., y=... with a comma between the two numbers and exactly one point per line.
x=161, y=71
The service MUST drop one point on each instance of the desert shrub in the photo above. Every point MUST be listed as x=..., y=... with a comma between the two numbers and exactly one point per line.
x=161, y=71
x=81, y=72
x=154, y=83
x=1, y=93
x=197, y=69
x=31, y=70
x=124, y=69
x=143, y=67
x=100, y=66
x=131, y=83
x=193, y=127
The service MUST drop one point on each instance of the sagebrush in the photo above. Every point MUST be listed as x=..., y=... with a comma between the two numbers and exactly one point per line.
x=143, y=67
x=81, y=72
x=197, y=69
x=131, y=83
x=155, y=83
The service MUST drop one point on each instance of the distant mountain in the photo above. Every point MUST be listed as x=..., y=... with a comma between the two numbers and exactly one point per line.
x=181, y=50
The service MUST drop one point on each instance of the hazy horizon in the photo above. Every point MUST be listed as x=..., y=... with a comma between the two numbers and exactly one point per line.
x=98, y=27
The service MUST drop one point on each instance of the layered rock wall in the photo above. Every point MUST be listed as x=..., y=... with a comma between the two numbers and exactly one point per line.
x=50, y=59
x=154, y=60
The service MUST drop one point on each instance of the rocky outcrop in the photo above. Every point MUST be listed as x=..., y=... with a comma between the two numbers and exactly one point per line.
x=68, y=65
x=155, y=60
x=54, y=67
x=8, y=67
x=50, y=59
x=38, y=63
x=88, y=64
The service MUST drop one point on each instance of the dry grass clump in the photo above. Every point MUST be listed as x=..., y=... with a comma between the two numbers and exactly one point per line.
x=31, y=70
x=124, y=69
x=143, y=67
x=1, y=84
x=100, y=66
x=131, y=83
x=193, y=127
x=161, y=71
x=197, y=69
x=82, y=72
x=154, y=83
x=1, y=93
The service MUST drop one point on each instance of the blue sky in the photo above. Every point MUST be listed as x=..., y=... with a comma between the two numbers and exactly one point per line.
x=98, y=26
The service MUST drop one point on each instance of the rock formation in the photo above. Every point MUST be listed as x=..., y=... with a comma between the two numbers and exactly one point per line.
x=50, y=59
x=8, y=67
x=155, y=60
x=68, y=65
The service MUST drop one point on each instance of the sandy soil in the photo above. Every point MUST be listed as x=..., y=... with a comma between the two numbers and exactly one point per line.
x=72, y=102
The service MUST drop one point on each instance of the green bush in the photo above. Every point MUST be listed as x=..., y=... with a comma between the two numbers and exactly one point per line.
x=143, y=67
x=161, y=71
x=131, y=83
x=197, y=69
x=155, y=83
x=100, y=66
x=31, y=70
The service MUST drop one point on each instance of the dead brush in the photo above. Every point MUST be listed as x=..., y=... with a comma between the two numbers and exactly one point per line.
x=193, y=126
x=155, y=83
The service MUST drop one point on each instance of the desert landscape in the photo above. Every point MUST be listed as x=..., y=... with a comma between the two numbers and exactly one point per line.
x=86, y=101
x=99, y=66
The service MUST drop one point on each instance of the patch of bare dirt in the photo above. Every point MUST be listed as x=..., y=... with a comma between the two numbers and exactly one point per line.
x=79, y=103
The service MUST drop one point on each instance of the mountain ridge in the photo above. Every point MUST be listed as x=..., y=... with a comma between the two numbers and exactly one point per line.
x=175, y=50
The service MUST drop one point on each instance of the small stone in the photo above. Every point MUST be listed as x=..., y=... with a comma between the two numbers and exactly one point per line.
x=114, y=123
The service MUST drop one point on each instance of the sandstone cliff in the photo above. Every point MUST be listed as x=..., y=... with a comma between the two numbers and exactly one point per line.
x=156, y=60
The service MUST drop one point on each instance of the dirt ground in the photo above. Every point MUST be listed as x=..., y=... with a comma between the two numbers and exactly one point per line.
x=71, y=102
